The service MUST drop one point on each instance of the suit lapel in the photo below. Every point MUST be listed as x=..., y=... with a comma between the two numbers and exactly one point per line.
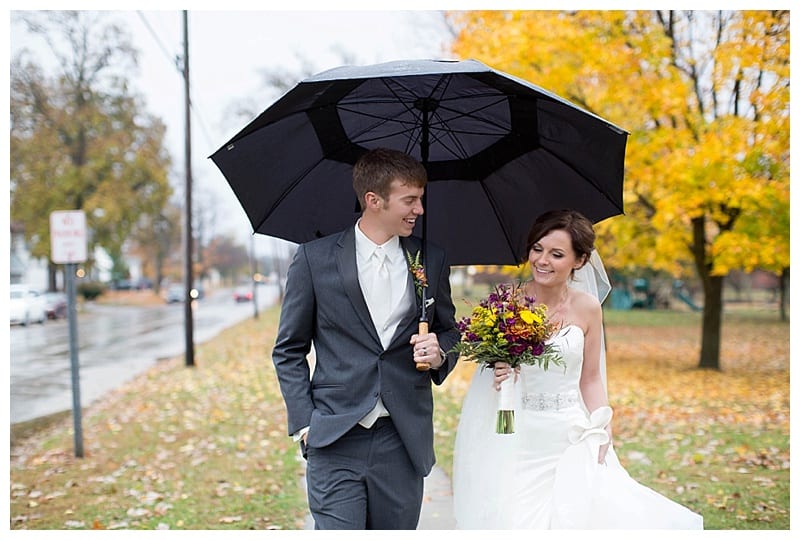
x=408, y=245
x=412, y=245
x=348, y=270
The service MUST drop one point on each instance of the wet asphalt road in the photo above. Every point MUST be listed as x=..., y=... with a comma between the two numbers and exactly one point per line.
x=116, y=343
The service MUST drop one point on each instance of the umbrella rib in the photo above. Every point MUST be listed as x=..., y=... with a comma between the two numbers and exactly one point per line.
x=447, y=79
x=382, y=120
x=439, y=135
x=450, y=134
x=499, y=214
x=440, y=88
x=454, y=147
x=442, y=122
x=406, y=127
x=471, y=114
x=413, y=139
x=581, y=175
x=458, y=149
x=457, y=113
x=293, y=184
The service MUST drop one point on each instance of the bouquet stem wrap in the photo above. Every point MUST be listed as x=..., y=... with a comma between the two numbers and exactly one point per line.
x=505, y=407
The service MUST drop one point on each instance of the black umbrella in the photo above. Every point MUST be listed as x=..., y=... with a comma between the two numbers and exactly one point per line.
x=498, y=150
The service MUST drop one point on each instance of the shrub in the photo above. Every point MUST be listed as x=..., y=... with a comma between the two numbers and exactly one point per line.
x=91, y=290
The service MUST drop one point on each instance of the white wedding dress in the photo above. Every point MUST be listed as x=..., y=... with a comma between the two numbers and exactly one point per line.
x=546, y=474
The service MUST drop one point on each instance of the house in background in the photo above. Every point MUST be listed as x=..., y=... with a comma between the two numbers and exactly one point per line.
x=32, y=271
x=23, y=267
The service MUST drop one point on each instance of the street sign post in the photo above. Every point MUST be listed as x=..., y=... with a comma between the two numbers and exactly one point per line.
x=68, y=246
x=68, y=236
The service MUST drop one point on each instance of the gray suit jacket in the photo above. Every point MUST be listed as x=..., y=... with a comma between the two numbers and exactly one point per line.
x=323, y=304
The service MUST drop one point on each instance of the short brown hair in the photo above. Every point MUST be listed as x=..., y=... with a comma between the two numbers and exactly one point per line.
x=375, y=171
x=574, y=223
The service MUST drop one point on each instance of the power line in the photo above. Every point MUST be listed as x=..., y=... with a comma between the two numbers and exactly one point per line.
x=175, y=59
x=203, y=126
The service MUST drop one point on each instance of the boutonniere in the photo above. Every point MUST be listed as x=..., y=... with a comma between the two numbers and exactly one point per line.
x=417, y=272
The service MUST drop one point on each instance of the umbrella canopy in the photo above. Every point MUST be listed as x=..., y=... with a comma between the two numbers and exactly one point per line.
x=499, y=151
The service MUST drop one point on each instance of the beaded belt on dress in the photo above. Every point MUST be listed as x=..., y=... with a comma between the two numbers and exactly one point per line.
x=549, y=402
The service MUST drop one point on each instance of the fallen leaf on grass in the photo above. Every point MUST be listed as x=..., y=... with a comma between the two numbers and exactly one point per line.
x=138, y=512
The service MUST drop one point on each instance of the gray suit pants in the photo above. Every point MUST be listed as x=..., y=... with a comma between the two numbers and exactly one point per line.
x=365, y=480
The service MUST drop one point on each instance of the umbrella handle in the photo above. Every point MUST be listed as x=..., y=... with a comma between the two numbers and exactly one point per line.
x=423, y=330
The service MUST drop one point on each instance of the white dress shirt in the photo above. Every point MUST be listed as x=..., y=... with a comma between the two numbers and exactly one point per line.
x=402, y=296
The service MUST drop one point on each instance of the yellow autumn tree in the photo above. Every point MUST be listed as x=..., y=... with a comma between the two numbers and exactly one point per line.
x=705, y=97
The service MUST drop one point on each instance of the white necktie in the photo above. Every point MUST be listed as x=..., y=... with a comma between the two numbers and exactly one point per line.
x=381, y=290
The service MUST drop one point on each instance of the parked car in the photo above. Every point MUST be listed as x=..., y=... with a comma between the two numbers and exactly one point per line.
x=243, y=294
x=122, y=285
x=55, y=305
x=175, y=293
x=26, y=305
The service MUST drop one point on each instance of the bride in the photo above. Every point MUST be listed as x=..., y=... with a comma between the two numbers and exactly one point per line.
x=559, y=469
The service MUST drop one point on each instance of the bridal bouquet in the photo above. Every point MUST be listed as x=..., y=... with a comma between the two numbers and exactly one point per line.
x=506, y=326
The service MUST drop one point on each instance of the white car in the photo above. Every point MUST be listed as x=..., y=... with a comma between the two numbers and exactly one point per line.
x=26, y=305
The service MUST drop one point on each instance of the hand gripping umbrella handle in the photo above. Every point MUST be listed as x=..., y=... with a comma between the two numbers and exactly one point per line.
x=423, y=330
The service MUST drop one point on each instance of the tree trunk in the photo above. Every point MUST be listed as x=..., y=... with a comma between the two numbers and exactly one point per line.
x=52, y=269
x=784, y=290
x=712, y=323
x=712, y=302
x=159, y=275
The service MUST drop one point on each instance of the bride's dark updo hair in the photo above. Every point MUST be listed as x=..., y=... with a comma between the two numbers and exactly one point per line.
x=574, y=223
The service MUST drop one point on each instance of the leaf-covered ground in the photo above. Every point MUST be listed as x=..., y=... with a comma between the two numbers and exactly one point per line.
x=206, y=447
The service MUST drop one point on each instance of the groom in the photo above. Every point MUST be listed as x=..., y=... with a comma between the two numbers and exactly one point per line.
x=364, y=418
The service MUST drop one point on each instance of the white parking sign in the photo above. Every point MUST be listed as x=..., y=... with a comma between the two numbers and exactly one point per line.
x=68, y=236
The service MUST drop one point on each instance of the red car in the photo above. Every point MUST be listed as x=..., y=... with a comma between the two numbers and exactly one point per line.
x=243, y=294
x=56, y=305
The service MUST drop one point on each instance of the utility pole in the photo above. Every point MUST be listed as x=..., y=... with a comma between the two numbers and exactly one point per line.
x=188, y=277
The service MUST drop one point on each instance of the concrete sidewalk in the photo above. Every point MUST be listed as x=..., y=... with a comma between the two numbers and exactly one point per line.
x=437, y=503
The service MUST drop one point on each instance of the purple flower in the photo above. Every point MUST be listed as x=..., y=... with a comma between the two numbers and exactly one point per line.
x=516, y=348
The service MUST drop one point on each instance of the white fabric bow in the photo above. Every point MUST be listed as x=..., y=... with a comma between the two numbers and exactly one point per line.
x=593, y=429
